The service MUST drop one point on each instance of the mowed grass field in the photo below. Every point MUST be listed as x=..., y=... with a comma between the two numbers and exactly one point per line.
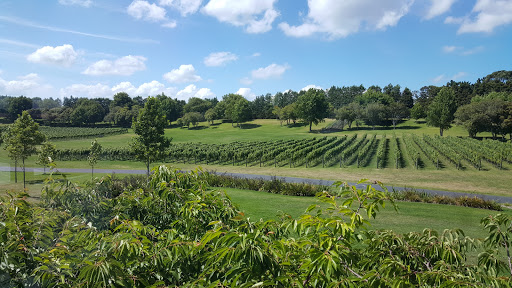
x=410, y=217
x=490, y=181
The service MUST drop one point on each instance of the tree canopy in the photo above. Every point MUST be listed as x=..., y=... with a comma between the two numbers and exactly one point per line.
x=21, y=139
x=312, y=106
x=442, y=109
x=150, y=143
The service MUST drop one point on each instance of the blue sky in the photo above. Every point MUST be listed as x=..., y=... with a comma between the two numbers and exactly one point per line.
x=207, y=48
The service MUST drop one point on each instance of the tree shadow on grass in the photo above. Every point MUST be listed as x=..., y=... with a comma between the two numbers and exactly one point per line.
x=298, y=124
x=386, y=128
x=198, y=128
x=249, y=126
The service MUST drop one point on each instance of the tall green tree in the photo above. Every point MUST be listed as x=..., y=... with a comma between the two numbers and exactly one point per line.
x=442, y=109
x=197, y=105
x=21, y=139
x=241, y=112
x=210, y=115
x=46, y=155
x=228, y=105
x=18, y=105
x=94, y=155
x=150, y=143
x=376, y=113
x=312, y=106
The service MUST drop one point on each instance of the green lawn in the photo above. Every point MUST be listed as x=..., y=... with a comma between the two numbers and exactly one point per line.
x=492, y=181
x=410, y=216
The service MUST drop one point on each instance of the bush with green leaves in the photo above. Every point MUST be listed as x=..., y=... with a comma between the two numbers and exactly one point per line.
x=174, y=231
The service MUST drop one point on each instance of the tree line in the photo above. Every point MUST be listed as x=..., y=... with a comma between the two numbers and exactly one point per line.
x=483, y=106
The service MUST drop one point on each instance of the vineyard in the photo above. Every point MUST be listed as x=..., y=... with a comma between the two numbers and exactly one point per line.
x=64, y=133
x=372, y=151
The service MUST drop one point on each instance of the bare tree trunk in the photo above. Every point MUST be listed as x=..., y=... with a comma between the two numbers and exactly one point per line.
x=23, y=162
x=441, y=132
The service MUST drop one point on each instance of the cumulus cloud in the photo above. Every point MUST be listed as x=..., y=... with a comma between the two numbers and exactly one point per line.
x=152, y=88
x=257, y=54
x=140, y=9
x=184, y=74
x=439, y=7
x=271, y=71
x=63, y=55
x=192, y=91
x=83, y=3
x=489, y=15
x=246, y=93
x=219, y=59
x=311, y=86
x=256, y=16
x=185, y=7
x=29, y=85
x=124, y=66
x=146, y=89
x=89, y=91
x=338, y=19
x=24, y=83
x=143, y=10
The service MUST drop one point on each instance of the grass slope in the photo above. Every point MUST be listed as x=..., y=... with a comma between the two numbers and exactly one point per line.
x=492, y=181
x=410, y=216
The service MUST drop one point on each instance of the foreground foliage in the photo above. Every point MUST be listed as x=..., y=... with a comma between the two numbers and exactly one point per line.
x=174, y=231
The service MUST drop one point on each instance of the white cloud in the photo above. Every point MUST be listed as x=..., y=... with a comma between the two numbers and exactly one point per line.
x=458, y=76
x=453, y=20
x=246, y=81
x=473, y=51
x=101, y=90
x=170, y=24
x=63, y=55
x=246, y=93
x=219, y=59
x=339, y=19
x=20, y=86
x=443, y=78
x=271, y=71
x=490, y=14
x=144, y=10
x=84, y=3
x=257, y=54
x=29, y=85
x=438, y=78
x=462, y=51
x=184, y=74
x=439, y=7
x=146, y=89
x=185, y=7
x=89, y=91
x=256, y=16
x=450, y=49
x=192, y=91
x=124, y=66
x=311, y=86
x=205, y=93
